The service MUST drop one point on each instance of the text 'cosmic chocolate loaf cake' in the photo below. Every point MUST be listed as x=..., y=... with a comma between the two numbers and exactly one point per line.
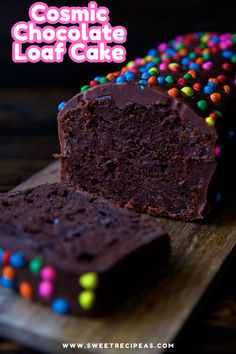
x=150, y=137
x=74, y=252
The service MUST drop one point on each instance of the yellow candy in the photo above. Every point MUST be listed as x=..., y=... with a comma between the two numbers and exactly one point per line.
x=172, y=64
x=86, y=299
x=89, y=280
x=148, y=58
x=153, y=69
x=205, y=38
x=130, y=64
x=210, y=121
x=187, y=91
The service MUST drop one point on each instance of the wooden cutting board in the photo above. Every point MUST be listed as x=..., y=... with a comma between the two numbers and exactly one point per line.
x=153, y=315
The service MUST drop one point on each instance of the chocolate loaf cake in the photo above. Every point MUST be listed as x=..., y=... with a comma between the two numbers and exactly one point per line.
x=150, y=137
x=75, y=252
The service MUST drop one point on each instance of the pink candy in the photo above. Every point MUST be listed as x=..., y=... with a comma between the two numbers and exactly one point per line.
x=49, y=273
x=211, y=43
x=223, y=45
x=225, y=36
x=163, y=66
x=138, y=61
x=46, y=289
x=179, y=39
x=226, y=44
x=217, y=150
x=207, y=65
x=162, y=46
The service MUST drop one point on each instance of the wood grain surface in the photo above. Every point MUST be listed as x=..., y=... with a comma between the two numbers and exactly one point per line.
x=155, y=314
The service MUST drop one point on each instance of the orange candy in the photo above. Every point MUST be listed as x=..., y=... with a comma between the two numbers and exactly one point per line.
x=153, y=80
x=26, y=290
x=227, y=88
x=110, y=76
x=9, y=272
x=117, y=73
x=193, y=73
x=216, y=97
x=214, y=80
x=162, y=55
x=206, y=50
x=183, y=52
x=124, y=69
x=143, y=61
x=200, y=60
x=173, y=92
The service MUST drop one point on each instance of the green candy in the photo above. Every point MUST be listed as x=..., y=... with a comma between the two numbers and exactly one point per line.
x=188, y=77
x=203, y=105
x=193, y=55
x=36, y=265
x=220, y=115
x=207, y=56
x=234, y=38
x=153, y=73
x=169, y=79
x=86, y=299
x=156, y=60
x=181, y=46
x=103, y=80
x=84, y=88
x=89, y=281
x=202, y=45
x=233, y=58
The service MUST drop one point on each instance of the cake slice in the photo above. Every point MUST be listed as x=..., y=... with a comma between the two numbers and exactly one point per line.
x=150, y=137
x=74, y=252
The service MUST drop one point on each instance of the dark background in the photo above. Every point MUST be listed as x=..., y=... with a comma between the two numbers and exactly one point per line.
x=147, y=23
x=30, y=94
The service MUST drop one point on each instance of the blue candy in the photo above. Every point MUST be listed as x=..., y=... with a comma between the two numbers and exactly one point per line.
x=18, y=260
x=218, y=197
x=152, y=52
x=185, y=61
x=171, y=52
x=208, y=89
x=198, y=33
x=1, y=255
x=227, y=53
x=215, y=39
x=61, y=306
x=7, y=283
x=174, y=44
x=61, y=105
x=145, y=82
x=212, y=84
x=129, y=75
x=150, y=65
x=231, y=134
x=161, y=80
x=194, y=66
x=121, y=80
x=145, y=75
x=97, y=78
